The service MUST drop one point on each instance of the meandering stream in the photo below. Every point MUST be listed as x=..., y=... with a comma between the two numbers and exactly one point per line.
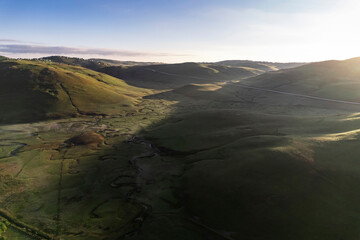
x=135, y=182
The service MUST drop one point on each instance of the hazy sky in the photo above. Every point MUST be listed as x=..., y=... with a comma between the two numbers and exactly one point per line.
x=182, y=30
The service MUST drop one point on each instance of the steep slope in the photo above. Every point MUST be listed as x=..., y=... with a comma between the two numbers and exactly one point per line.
x=331, y=79
x=35, y=90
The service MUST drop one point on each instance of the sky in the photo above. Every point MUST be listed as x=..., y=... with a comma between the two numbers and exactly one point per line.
x=182, y=30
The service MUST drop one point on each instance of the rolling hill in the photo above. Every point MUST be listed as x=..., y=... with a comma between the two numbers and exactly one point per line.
x=122, y=63
x=264, y=66
x=330, y=79
x=36, y=90
x=269, y=165
x=92, y=63
x=86, y=63
x=246, y=159
x=167, y=76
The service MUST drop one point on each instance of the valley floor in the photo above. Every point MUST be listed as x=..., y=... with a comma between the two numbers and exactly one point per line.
x=210, y=161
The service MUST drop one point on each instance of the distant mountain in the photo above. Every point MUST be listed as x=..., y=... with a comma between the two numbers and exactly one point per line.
x=92, y=63
x=87, y=63
x=265, y=66
x=33, y=90
x=122, y=63
x=166, y=76
x=3, y=58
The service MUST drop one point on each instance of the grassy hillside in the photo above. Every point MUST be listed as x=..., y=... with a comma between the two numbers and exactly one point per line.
x=168, y=76
x=87, y=63
x=122, y=63
x=258, y=161
x=92, y=63
x=264, y=66
x=35, y=90
x=330, y=79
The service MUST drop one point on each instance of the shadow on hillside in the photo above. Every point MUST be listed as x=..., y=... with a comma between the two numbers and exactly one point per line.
x=210, y=171
x=223, y=165
x=233, y=184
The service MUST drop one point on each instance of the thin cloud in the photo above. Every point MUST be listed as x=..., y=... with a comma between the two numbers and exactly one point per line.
x=10, y=40
x=35, y=49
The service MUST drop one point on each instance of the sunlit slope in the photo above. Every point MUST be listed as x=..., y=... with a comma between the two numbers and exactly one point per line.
x=35, y=90
x=92, y=63
x=264, y=66
x=330, y=79
x=166, y=76
x=86, y=63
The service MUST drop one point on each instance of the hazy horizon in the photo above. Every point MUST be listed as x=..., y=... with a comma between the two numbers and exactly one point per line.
x=162, y=62
x=186, y=31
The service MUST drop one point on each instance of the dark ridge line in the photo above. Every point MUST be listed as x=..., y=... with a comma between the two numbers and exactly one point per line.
x=71, y=101
x=78, y=109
